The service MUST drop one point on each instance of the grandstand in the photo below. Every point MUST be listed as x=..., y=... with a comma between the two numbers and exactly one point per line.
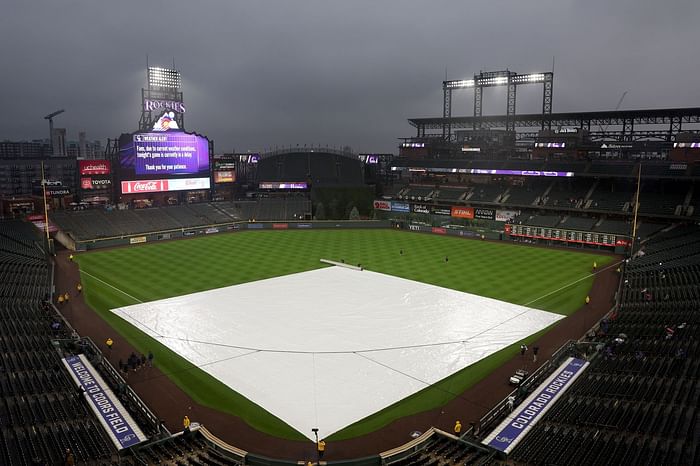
x=98, y=223
x=42, y=413
x=638, y=401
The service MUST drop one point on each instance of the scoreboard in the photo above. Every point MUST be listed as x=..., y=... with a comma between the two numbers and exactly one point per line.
x=571, y=236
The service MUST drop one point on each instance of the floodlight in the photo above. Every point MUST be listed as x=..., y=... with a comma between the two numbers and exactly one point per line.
x=459, y=84
x=163, y=77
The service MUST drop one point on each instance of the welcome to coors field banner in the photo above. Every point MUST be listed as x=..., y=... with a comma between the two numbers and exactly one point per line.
x=514, y=428
x=113, y=417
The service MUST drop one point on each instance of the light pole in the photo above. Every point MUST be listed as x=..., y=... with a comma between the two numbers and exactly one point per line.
x=315, y=431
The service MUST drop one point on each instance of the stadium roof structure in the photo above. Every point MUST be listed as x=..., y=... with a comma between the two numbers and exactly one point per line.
x=672, y=118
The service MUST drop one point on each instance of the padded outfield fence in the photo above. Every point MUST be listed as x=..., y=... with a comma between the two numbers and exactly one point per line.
x=203, y=230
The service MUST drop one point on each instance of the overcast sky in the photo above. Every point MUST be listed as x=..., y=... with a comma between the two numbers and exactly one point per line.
x=262, y=73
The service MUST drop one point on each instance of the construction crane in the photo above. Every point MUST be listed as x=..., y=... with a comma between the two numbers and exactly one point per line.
x=50, y=118
x=617, y=107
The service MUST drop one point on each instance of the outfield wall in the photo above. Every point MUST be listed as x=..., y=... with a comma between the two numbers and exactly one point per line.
x=155, y=236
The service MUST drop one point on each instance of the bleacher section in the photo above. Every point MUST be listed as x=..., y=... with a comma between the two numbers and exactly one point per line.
x=486, y=193
x=527, y=194
x=443, y=450
x=449, y=194
x=578, y=223
x=417, y=193
x=611, y=168
x=612, y=196
x=538, y=220
x=97, y=223
x=638, y=401
x=662, y=198
x=41, y=412
x=618, y=227
x=568, y=193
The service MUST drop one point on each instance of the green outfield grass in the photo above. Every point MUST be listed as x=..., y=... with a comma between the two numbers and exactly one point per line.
x=550, y=279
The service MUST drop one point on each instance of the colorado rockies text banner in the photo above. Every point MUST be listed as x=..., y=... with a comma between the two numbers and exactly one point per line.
x=114, y=418
x=514, y=428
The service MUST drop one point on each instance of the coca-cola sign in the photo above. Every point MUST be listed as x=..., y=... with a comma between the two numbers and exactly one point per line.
x=94, y=167
x=147, y=186
x=157, y=186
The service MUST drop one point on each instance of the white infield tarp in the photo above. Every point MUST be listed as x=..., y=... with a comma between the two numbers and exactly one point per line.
x=328, y=347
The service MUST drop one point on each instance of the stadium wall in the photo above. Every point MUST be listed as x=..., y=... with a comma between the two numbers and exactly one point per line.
x=156, y=236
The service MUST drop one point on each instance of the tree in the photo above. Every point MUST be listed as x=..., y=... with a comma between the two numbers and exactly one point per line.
x=354, y=214
x=320, y=211
x=333, y=209
x=348, y=209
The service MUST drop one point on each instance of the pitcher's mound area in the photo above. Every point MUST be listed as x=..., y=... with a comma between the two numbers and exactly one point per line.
x=329, y=347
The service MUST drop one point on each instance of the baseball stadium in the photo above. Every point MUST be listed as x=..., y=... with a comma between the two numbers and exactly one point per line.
x=513, y=289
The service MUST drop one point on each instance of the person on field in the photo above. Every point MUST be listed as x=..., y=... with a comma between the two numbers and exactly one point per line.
x=60, y=299
x=79, y=287
x=588, y=299
x=458, y=428
x=69, y=458
x=321, y=447
x=186, y=423
x=535, y=350
x=595, y=266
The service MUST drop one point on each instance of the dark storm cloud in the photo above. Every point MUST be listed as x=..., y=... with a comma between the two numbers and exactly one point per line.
x=264, y=73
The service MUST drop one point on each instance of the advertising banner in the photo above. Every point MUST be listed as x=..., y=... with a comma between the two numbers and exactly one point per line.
x=462, y=212
x=438, y=231
x=137, y=240
x=280, y=226
x=224, y=176
x=421, y=209
x=400, y=207
x=113, y=417
x=276, y=185
x=94, y=167
x=95, y=183
x=506, y=215
x=57, y=191
x=39, y=221
x=441, y=211
x=484, y=214
x=157, y=186
x=514, y=428
x=382, y=205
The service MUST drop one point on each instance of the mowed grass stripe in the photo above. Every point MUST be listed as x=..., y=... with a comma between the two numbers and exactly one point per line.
x=513, y=273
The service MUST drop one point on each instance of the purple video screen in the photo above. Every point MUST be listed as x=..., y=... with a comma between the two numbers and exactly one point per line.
x=164, y=155
x=278, y=185
x=482, y=171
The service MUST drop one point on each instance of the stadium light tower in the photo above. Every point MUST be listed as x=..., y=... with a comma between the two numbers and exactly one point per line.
x=493, y=79
x=50, y=118
x=163, y=92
